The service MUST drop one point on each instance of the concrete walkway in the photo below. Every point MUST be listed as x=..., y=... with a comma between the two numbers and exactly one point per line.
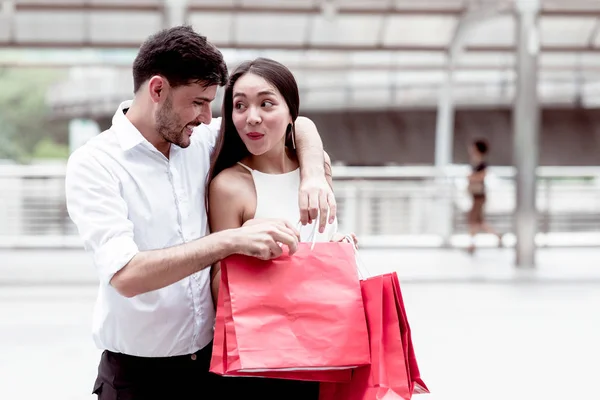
x=480, y=330
x=27, y=267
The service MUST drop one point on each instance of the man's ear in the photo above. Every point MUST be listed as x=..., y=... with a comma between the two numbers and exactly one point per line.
x=157, y=87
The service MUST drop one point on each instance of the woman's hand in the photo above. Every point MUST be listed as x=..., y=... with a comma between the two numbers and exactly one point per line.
x=340, y=237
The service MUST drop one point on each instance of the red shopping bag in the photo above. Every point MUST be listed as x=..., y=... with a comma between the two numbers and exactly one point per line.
x=295, y=313
x=219, y=356
x=393, y=373
x=416, y=383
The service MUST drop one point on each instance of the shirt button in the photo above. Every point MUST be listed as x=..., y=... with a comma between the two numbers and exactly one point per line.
x=194, y=357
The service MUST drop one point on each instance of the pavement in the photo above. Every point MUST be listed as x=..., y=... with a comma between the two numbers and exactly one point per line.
x=481, y=329
x=415, y=265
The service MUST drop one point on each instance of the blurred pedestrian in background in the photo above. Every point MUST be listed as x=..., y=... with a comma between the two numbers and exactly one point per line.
x=478, y=151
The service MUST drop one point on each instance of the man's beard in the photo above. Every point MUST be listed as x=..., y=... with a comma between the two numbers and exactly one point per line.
x=169, y=126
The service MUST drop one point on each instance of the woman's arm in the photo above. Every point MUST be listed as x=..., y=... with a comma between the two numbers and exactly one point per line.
x=231, y=203
x=225, y=211
x=226, y=197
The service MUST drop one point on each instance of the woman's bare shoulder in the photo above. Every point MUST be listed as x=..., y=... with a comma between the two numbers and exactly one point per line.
x=233, y=181
x=232, y=198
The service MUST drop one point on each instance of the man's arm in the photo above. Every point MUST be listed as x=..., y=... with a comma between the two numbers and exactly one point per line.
x=98, y=210
x=316, y=195
x=328, y=170
x=155, y=269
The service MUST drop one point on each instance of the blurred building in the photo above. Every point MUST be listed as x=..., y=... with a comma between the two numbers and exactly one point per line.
x=388, y=82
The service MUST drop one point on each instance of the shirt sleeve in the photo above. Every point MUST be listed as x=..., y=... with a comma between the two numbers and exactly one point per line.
x=95, y=205
x=208, y=133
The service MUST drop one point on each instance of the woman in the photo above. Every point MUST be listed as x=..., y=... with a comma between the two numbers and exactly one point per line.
x=477, y=153
x=255, y=174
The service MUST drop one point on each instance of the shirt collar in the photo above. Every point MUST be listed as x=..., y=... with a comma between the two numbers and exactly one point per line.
x=127, y=133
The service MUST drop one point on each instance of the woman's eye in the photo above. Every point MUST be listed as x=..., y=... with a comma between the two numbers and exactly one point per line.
x=238, y=106
x=267, y=103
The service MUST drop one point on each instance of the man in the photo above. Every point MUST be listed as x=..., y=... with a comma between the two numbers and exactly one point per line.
x=136, y=194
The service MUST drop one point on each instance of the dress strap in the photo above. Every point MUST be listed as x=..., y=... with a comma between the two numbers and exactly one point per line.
x=245, y=166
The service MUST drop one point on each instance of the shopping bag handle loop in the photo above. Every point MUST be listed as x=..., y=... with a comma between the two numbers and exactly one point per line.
x=363, y=271
x=315, y=231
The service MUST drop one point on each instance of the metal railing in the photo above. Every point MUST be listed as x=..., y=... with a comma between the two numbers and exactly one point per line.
x=390, y=206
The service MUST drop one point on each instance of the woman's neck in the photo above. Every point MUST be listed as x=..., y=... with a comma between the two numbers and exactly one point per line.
x=274, y=162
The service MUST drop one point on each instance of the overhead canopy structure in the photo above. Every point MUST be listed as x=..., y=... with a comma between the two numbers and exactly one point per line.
x=344, y=53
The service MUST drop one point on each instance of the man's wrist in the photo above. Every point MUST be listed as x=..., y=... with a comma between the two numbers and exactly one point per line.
x=222, y=244
x=229, y=242
x=312, y=171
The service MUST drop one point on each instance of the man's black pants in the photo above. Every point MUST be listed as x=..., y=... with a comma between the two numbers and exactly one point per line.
x=124, y=377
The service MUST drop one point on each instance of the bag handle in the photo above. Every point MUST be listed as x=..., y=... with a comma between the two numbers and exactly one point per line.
x=363, y=271
x=361, y=267
x=315, y=230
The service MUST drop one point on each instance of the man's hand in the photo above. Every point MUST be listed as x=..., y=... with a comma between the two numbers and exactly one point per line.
x=315, y=199
x=263, y=238
x=259, y=221
x=316, y=195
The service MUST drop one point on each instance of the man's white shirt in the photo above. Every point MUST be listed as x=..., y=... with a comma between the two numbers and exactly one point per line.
x=126, y=197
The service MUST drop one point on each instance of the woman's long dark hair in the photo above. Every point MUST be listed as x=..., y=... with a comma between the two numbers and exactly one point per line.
x=230, y=148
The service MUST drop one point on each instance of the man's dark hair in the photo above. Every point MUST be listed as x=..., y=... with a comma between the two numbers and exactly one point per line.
x=182, y=57
x=481, y=146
